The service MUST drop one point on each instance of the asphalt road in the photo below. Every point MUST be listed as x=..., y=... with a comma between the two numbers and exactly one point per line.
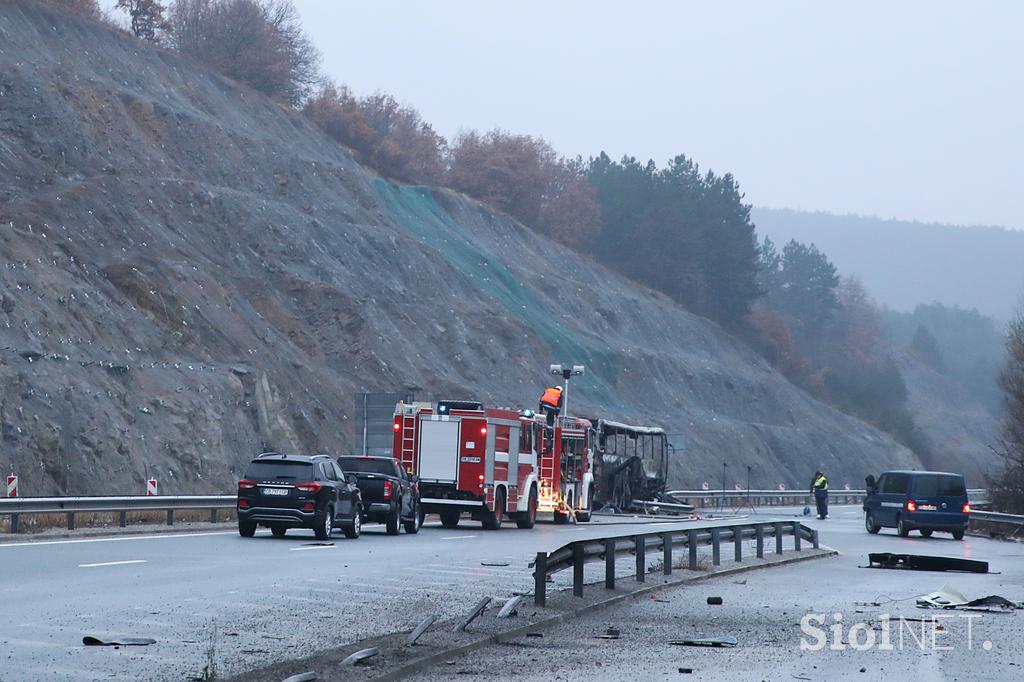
x=217, y=600
x=763, y=610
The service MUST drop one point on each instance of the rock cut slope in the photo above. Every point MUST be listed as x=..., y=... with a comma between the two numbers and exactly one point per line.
x=191, y=273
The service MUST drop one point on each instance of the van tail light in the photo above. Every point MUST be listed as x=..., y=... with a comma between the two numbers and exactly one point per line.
x=308, y=487
x=967, y=508
x=246, y=484
x=911, y=505
x=387, y=490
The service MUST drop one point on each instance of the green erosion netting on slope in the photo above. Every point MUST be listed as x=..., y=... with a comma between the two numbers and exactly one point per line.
x=419, y=213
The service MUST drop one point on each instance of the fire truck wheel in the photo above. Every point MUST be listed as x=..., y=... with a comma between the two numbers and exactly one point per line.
x=561, y=518
x=583, y=515
x=449, y=519
x=527, y=518
x=493, y=521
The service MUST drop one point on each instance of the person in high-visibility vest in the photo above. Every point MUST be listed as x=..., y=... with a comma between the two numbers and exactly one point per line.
x=551, y=403
x=819, y=487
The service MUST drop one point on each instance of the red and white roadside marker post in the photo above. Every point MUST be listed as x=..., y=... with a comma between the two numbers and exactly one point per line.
x=12, y=485
x=151, y=487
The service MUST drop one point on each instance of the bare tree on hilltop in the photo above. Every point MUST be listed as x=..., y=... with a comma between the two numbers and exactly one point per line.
x=147, y=17
x=259, y=42
x=1008, y=487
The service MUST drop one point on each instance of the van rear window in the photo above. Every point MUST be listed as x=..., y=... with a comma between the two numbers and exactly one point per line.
x=280, y=470
x=937, y=485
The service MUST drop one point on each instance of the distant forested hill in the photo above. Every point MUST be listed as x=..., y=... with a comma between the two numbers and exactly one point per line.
x=903, y=264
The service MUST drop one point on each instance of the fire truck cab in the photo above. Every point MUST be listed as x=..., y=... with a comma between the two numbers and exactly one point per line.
x=495, y=462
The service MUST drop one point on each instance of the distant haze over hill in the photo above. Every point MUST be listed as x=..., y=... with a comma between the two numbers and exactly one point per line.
x=904, y=263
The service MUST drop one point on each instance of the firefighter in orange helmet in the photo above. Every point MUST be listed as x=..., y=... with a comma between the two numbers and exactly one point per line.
x=551, y=403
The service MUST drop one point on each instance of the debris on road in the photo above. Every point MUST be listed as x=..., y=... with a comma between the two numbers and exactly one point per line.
x=947, y=597
x=715, y=601
x=920, y=562
x=301, y=677
x=360, y=656
x=610, y=633
x=510, y=609
x=318, y=544
x=89, y=640
x=494, y=563
x=477, y=610
x=686, y=671
x=534, y=634
x=727, y=641
x=420, y=629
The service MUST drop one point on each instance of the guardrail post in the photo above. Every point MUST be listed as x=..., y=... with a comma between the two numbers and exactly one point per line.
x=796, y=535
x=640, y=543
x=71, y=520
x=814, y=538
x=213, y=516
x=14, y=523
x=666, y=546
x=778, y=538
x=122, y=518
x=691, y=546
x=577, y=569
x=170, y=517
x=737, y=539
x=716, y=553
x=540, y=579
x=609, y=564
x=759, y=533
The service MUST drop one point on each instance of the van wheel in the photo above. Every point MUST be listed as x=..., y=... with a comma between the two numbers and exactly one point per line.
x=870, y=524
x=926, y=532
x=902, y=527
x=528, y=518
x=450, y=519
x=958, y=534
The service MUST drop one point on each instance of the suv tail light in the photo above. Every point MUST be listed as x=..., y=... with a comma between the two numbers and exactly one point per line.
x=308, y=487
x=387, y=490
x=911, y=505
x=967, y=508
x=246, y=484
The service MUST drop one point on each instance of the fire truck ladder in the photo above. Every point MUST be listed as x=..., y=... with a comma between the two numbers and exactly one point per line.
x=547, y=460
x=408, y=439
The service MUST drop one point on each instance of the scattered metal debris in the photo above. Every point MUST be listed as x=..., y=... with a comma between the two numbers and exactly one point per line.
x=799, y=677
x=477, y=610
x=727, y=641
x=510, y=608
x=420, y=629
x=301, y=677
x=534, y=634
x=360, y=656
x=89, y=640
x=715, y=601
x=920, y=562
x=494, y=563
x=686, y=671
x=318, y=544
x=610, y=633
x=947, y=597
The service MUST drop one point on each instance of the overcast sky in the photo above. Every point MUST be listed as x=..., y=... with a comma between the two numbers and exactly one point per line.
x=905, y=109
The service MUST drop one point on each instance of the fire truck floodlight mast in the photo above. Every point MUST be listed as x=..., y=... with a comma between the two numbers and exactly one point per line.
x=566, y=372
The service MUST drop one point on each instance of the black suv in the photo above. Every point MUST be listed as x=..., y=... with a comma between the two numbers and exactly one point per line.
x=390, y=495
x=298, y=491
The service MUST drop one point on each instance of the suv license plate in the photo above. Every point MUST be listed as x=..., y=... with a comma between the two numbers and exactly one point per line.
x=275, y=491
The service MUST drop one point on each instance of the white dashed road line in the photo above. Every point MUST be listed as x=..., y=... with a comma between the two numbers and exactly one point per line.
x=458, y=537
x=113, y=563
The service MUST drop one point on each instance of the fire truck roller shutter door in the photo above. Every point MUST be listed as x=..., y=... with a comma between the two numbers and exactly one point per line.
x=513, y=468
x=439, y=441
x=489, y=455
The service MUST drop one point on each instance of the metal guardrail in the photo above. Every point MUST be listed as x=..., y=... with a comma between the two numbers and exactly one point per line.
x=733, y=498
x=576, y=554
x=17, y=506
x=996, y=523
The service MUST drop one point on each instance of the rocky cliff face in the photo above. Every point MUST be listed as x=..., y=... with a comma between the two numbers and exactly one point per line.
x=191, y=274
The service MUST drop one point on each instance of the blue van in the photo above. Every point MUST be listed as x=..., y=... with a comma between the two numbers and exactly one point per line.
x=925, y=501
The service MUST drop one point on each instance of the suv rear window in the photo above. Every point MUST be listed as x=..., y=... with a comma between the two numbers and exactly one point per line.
x=280, y=469
x=937, y=485
x=368, y=465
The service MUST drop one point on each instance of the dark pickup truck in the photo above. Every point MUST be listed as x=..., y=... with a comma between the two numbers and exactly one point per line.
x=390, y=495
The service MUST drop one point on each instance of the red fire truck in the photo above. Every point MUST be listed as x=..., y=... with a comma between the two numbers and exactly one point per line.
x=495, y=462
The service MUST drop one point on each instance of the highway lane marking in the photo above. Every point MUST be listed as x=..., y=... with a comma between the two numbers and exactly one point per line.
x=113, y=563
x=302, y=549
x=5, y=545
x=458, y=537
